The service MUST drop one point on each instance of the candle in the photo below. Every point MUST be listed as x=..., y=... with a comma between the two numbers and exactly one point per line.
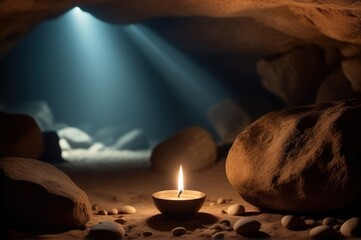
x=179, y=203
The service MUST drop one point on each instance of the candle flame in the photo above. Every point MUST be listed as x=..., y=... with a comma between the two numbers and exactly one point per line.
x=180, y=181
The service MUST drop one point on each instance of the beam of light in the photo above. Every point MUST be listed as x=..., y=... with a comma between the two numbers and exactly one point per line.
x=197, y=89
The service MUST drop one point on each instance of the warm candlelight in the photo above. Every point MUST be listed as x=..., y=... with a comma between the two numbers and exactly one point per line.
x=181, y=202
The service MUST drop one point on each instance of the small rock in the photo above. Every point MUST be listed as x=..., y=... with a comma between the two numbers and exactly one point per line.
x=351, y=228
x=217, y=227
x=322, y=231
x=95, y=207
x=107, y=230
x=113, y=211
x=147, y=234
x=236, y=210
x=178, y=231
x=193, y=224
x=221, y=201
x=330, y=221
x=102, y=212
x=128, y=209
x=120, y=221
x=246, y=226
x=218, y=235
x=225, y=223
x=293, y=222
x=212, y=204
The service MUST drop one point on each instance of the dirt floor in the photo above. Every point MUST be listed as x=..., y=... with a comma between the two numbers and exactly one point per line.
x=111, y=186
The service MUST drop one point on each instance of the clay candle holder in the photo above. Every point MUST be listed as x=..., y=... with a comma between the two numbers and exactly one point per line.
x=179, y=203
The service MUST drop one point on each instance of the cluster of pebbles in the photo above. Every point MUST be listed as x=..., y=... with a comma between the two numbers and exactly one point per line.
x=126, y=209
x=329, y=228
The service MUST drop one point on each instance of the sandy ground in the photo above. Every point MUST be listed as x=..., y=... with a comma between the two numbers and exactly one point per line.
x=112, y=185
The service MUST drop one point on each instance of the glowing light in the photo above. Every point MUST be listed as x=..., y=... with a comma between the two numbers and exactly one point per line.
x=180, y=181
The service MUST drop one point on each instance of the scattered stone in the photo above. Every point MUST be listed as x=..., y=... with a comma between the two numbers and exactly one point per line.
x=178, y=231
x=330, y=221
x=95, y=207
x=20, y=136
x=322, y=231
x=236, y=209
x=221, y=201
x=120, y=221
x=295, y=76
x=193, y=224
x=351, y=227
x=147, y=234
x=193, y=147
x=218, y=236
x=225, y=223
x=113, y=211
x=352, y=70
x=135, y=139
x=75, y=137
x=289, y=149
x=102, y=212
x=107, y=230
x=217, y=226
x=293, y=222
x=36, y=183
x=246, y=226
x=311, y=222
x=52, y=150
x=127, y=209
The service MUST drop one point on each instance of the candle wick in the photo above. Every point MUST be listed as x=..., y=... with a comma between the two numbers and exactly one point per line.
x=180, y=192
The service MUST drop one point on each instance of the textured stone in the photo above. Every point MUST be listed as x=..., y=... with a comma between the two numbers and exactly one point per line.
x=323, y=231
x=193, y=147
x=300, y=159
x=107, y=230
x=75, y=137
x=246, y=226
x=352, y=70
x=20, y=136
x=351, y=227
x=36, y=195
x=295, y=76
x=335, y=87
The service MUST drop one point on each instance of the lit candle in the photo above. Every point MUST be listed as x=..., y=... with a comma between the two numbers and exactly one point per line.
x=181, y=202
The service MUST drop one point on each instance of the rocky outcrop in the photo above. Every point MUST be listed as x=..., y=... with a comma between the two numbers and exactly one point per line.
x=36, y=195
x=300, y=159
x=20, y=136
x=193, y=147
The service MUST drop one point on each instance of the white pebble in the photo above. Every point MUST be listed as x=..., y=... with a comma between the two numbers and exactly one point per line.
x=128, y=209
x=246, y=226
x=236, y=210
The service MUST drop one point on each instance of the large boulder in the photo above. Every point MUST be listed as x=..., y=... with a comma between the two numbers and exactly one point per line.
x=36, y=195
x=192, y=147
x=20, y=136
x=300, y=159
x=75, y=137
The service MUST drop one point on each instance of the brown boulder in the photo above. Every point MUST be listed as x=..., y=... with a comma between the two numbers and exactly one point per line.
x=20, y=136
x=193, y=147
x=300, y=159
x=36, y=195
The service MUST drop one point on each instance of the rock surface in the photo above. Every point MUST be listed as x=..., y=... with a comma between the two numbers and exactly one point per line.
x=36, y=195
x=300, y=159
x=193, y=147
x=75, y=137
x=20, y=136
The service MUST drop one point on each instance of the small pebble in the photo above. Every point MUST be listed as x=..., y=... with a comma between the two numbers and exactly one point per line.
x=217, y=227
x=212, y=204
x=351, y=227
x=322, y=231
x=225, y=223
x=102, y=212
x=178, y=231
x=246, y=226
x=147, y=234
x=236, y=210
x=107, y=230
x=218, y=236
x=128, y=209
x=113, y=211
x=329, y=221
x=293, y=222
x=221, y=201
x=95, y=207
x=120, y=220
